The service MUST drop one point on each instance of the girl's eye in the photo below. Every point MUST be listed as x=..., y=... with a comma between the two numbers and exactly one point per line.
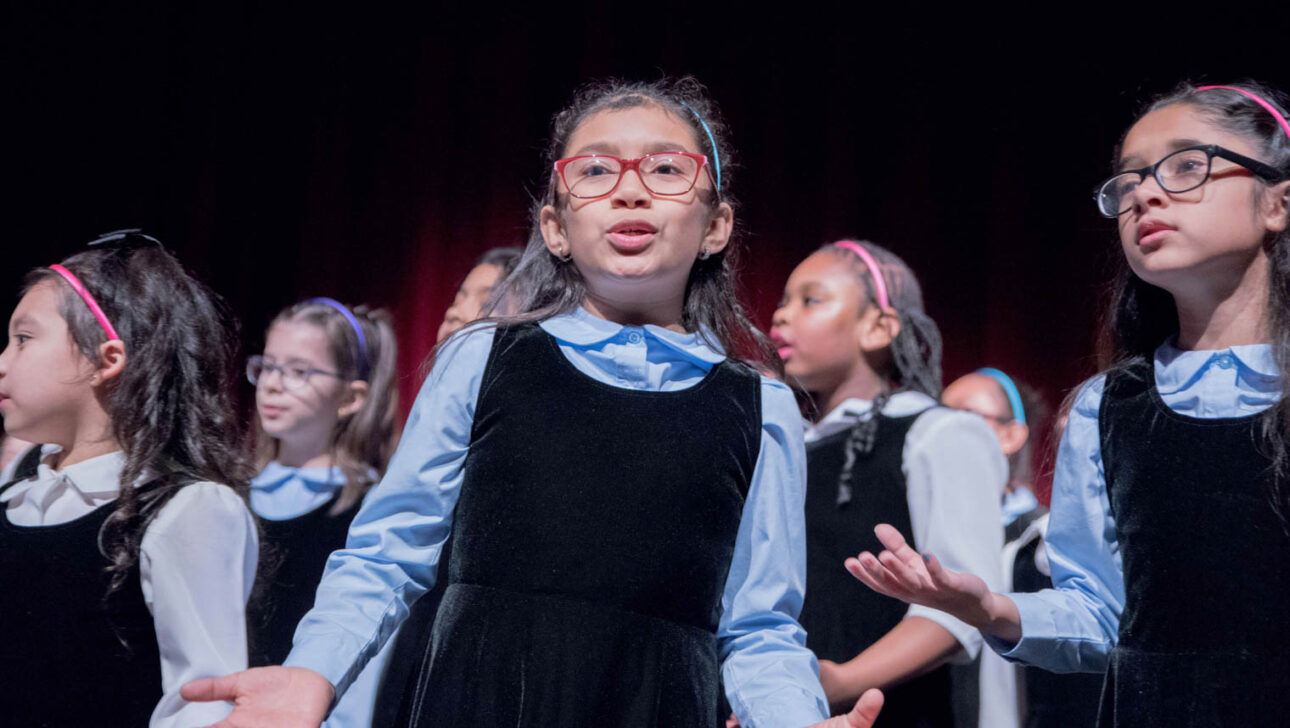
x=20, y=339
x=594, y=169
x=297, y=372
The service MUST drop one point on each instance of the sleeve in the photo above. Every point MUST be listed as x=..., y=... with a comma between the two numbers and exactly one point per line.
x=771, y=679
x=392, y=553
x=954, y=475
x=197, y=566
x=1074, y=627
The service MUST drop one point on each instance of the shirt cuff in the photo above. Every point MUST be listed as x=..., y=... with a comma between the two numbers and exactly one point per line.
x=968, y=637
x=786, y=708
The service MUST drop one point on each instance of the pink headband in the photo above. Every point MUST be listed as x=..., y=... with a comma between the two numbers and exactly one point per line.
x=1285, y=125
x=93, y=305
x=879, y=285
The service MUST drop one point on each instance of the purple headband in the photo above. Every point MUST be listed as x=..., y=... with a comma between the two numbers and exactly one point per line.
x=358, y=330
x=84, y=293
x=879, y=285
x=1285, y=125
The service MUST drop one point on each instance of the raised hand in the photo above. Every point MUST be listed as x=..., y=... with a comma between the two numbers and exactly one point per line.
x=861, y=716
x=266, y=697
x=903, y=573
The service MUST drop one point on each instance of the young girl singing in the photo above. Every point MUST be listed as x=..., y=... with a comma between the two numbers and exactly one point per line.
x=1168, y=538
x=128, y=556
x=626, y=500
x=326, y=405
x=852, y=331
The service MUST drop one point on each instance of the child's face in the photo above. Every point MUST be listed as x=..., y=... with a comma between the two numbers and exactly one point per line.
x=306, y=412
x=981, y=395
x=1209, y=236
x=819, y=324
x=470, y=299
x=633, y=247
x=45, y=382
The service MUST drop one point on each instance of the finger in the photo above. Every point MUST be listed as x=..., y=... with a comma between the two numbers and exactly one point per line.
x=940, y=575
x=910, y=577
x=873, y=574
x=895, y=543
x=207, y=689
x=867, y=709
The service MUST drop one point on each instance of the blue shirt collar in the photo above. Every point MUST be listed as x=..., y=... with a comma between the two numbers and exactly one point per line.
x=1177, y=369
x=275, y=475
x=583, y=329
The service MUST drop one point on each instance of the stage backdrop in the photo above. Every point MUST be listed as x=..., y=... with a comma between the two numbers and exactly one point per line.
x=373, y=157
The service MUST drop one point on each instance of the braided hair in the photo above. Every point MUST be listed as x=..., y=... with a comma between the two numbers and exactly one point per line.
x=915, y=352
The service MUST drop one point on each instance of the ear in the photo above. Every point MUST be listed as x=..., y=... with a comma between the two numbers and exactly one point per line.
x=553, y=233
x=878, y=328
x=1276, y=207
x=720, y=227
x=112, y=356
x=355, y=397
x=1013, y=436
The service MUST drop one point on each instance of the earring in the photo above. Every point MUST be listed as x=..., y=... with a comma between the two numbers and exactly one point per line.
x=704, y=254
x=562, y=256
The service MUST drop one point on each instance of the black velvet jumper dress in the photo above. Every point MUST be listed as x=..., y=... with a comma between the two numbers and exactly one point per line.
x=73, y=656
x=841, y=615
x=593, y=536
x=296, y=550
x=1205, y=631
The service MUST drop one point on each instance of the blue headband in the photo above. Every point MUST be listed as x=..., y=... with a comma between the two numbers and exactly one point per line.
x=1010, y=389
x=358, y=330
x=716, y=156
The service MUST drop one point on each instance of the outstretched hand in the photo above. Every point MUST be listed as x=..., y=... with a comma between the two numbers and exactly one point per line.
x=266, y=697
x=903, y=573
x=861, y=716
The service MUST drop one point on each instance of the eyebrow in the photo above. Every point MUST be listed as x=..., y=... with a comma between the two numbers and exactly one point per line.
x=613, y=150
x=23, y=320
x=1134, y=161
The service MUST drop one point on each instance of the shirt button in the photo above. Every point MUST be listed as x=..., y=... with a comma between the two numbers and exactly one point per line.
x=1225, y=361
x=634, y=337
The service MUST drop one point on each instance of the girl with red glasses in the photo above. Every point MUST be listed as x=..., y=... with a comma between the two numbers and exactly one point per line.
x=623, y=488
x=1168, y=540
x=126, y=548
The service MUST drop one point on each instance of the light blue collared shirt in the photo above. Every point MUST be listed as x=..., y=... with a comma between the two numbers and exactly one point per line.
x=1074, y=627
x=279, y=493
x=771, y=679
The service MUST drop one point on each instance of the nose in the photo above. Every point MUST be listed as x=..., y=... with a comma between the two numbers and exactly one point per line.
x=779, y=319
x=1149, y=193
x=270, y=380
x=631, y=192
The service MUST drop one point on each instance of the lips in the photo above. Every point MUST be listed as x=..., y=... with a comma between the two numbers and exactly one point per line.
x=782, y=346
x=631, y=235
x=271, y=411
x=1152, y=232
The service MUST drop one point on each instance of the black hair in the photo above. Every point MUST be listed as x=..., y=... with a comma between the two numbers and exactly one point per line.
x=362, y=443
x=543, y=285
x=504, y=259
x=170, y=407
x=915, y=352
x=1141, y=316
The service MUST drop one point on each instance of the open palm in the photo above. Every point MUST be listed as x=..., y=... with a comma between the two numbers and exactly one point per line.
x=266, y=697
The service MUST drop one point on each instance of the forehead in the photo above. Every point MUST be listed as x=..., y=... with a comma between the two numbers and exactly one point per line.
x=481, y=276
x=824, y=268
x=43, y=302
x=298, y=340
x=975, y=392
x=1162, y=130
x=632, y=132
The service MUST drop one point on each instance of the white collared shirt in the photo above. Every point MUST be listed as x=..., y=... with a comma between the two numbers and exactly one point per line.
x=197, y=565
x=954, y=472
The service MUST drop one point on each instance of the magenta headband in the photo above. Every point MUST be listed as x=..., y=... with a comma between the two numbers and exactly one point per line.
x=879, y=285
x=1285, y=125
x=93, y=305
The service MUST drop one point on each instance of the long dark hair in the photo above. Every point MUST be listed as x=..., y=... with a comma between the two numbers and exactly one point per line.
x=543, y=286
x=915, y=352
x=362, y=443
x=1142, y=316
x=170, y=407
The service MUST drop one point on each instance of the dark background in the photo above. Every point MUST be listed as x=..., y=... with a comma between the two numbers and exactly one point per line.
x=372, y=155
